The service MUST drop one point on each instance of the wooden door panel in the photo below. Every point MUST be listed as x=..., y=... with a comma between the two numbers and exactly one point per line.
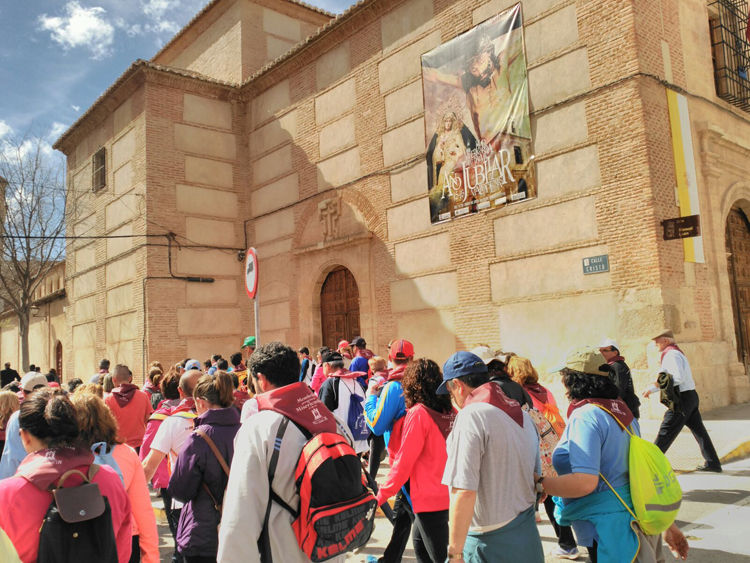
x=738, y=265
x=339, y=301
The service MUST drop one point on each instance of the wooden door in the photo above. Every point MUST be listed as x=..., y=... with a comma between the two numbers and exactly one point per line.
x=738, y=262
x=339, y=308
x=59, y=361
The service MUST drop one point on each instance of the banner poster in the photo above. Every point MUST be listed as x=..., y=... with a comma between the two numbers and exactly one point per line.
x=477, y=129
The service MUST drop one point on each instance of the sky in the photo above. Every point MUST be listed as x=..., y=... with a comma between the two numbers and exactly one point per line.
x=57, y=57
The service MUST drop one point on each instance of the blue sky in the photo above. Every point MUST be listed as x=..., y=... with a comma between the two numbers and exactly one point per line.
x=57, y=57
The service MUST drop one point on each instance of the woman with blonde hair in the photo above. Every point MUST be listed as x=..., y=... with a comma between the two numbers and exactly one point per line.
x=201, y=473
x=8, y=405
x=98, y=431
x=91, y=388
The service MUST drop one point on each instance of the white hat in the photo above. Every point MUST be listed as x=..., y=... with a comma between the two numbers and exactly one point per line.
x=609, y=343
x=485, y=354
x=32, y=380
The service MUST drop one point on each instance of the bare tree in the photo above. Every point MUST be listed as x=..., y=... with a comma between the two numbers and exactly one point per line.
x=34, y=209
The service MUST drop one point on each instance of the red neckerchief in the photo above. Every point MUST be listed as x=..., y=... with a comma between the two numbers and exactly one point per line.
x=668, y=348
x=366, y=353
x=538, y=392
x=616, y=406
x=45, y=467
x=397, y=373
x=344, y=373
x=184, y=406
x=492, y=394
x=617, y=358
x=444, y=421
x=300, y=405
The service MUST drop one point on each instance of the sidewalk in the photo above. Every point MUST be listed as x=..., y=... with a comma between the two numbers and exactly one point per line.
x=729, y=428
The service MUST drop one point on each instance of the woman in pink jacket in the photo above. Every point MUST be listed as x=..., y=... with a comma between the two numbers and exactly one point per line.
x=421, y=457
x=98, y=427
x=49, y=432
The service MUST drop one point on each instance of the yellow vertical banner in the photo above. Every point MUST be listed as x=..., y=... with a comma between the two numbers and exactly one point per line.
x=684, y=167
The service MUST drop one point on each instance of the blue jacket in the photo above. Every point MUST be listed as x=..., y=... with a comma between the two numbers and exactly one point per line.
x=14, y=452
x=382, y=411
x=618, y=541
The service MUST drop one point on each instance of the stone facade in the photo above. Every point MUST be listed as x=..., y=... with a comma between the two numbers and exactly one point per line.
x=315, y=161
x=47, y=330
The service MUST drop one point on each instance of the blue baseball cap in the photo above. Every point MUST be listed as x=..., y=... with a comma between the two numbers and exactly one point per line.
x=459, y=365
x=192, y=364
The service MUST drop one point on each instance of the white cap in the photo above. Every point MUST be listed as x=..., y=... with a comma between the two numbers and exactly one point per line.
x=488, y=354
x=32, y=380
x=609, y=343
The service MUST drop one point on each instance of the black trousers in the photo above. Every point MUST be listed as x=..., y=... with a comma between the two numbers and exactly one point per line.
x=135, y=553
x=673, y=423
x=377, y=447
x=173, y=518
x=403, y=518
x=593, y=555
x=431, y=536
x=565, y=538
x=199, y=559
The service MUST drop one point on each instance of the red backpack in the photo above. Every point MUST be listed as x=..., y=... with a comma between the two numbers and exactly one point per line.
x=337, y=510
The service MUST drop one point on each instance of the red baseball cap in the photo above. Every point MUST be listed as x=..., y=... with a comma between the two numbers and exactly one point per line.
x=401, y=350
x=344, y=344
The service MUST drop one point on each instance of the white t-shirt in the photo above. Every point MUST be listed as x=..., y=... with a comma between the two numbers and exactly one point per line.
x=170, y=438
x=676, y=364
x=491, y=454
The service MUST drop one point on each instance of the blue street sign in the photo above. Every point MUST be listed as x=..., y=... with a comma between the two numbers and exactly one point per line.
x=596, y=264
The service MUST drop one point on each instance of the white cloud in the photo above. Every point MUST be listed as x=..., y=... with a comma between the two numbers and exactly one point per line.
x=57, y=129
x=76, y=108
x=5, y=129
x=81, y=27
x=156, y=9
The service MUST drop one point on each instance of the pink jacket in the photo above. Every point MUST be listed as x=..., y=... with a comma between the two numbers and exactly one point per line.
x=160, y=480
x=421, y=459
x=24, y=506
x=318, y=379
x=143, y=520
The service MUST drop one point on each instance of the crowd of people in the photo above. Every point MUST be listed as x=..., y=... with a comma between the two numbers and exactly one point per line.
x=246, y=454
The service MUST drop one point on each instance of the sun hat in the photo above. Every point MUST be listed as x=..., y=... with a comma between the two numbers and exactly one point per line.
x=664, y=333
x=585, y=360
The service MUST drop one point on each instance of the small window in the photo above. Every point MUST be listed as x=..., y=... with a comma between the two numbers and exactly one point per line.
x=730, y=50
x=518, y=154
x=99, y=170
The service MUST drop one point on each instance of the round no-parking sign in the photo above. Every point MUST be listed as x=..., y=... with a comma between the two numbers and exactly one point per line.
x=251, y=273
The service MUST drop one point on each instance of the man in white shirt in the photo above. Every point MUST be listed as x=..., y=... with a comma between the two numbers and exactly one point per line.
x=674, y=363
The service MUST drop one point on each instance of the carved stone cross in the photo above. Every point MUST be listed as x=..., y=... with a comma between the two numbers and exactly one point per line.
x=329, y=211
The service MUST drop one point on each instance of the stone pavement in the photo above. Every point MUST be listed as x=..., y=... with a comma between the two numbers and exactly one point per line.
x=729, y=428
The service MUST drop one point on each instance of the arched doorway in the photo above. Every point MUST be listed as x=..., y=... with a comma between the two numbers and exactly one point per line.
x=59, y=360
x=738, y=264
x=339, y=307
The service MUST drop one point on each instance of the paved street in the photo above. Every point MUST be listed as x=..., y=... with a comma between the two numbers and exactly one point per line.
x=717, y=507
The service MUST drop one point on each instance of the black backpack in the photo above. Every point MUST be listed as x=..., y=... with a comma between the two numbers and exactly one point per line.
x=78, y=524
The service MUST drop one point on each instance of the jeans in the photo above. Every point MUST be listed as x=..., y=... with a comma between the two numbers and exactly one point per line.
x=431, y=536
x=565, y=538
x=673, y=423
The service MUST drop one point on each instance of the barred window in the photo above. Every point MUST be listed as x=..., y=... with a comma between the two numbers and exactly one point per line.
x=99, y=170
x=728, y=20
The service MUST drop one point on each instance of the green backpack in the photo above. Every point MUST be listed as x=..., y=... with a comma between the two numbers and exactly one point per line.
x=654, y=488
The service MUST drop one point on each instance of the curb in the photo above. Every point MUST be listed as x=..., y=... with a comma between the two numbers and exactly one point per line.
x=740, y=452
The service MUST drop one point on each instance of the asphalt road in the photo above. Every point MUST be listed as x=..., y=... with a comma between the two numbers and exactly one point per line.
x=715, y=516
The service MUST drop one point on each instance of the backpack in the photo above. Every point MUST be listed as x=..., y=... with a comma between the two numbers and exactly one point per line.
x=337, y=510
x=78, y=524
x=654, y=489
x=548, y=439
x=355, y=417
x=103, y=456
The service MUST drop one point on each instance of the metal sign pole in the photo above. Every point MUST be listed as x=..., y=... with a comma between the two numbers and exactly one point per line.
x=257, y=320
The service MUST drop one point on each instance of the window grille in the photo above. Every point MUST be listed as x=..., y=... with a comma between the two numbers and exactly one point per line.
x=99, y=170
x=731, y=51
